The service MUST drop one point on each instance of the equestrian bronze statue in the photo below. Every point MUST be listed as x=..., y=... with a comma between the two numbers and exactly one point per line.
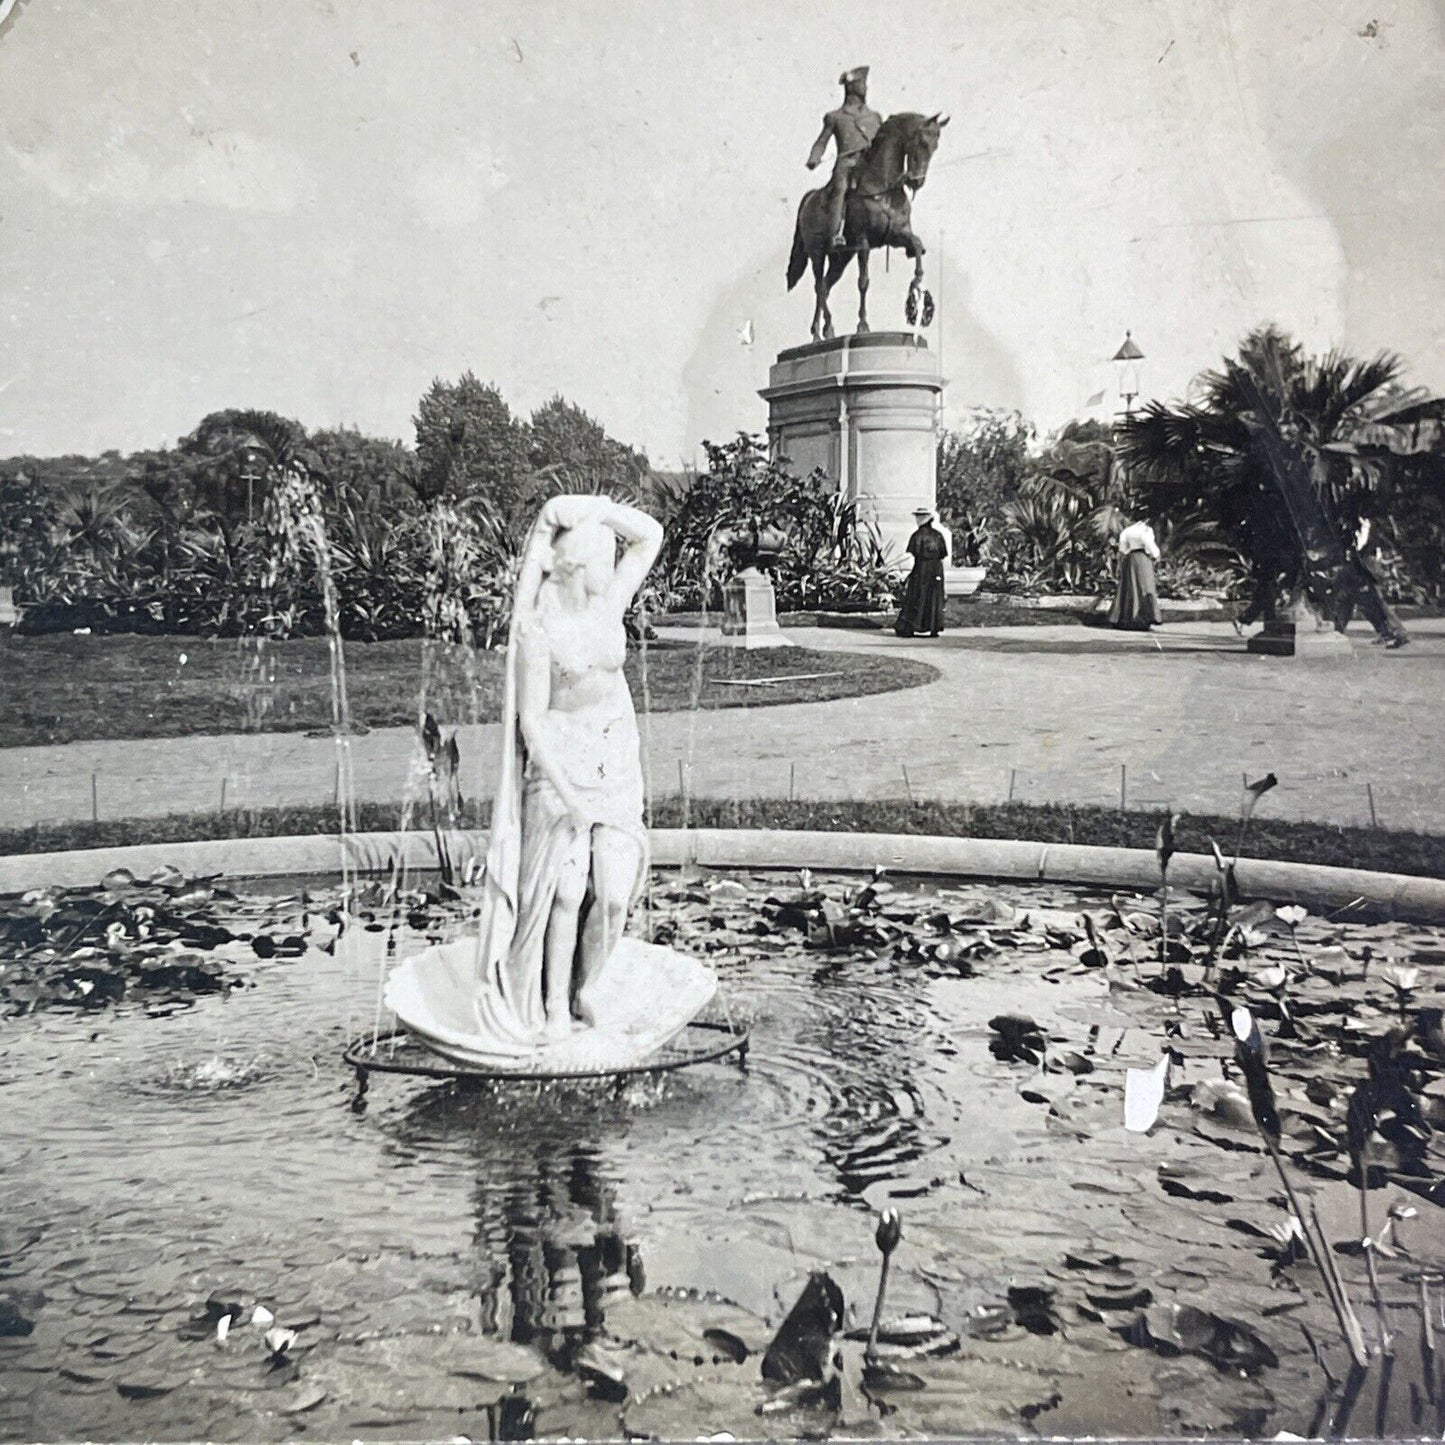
x=868, y=202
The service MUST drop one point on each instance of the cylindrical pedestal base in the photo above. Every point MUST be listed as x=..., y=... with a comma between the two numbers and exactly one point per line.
x=864, y=410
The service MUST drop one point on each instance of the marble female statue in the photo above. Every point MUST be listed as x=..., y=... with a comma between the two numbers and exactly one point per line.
x=549, y=979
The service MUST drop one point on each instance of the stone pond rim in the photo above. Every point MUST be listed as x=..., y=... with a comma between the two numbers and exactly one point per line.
x=1394, y=895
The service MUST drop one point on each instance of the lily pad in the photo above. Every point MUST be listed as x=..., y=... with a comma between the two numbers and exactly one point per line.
x=1228, y=1344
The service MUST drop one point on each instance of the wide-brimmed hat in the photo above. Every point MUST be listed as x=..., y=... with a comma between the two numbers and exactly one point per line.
x=923, y=512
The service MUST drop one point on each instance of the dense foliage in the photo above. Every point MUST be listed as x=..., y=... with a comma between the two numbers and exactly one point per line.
x=1370, y=448
x=252, y=525
x=1042, y=516
x=820, y=549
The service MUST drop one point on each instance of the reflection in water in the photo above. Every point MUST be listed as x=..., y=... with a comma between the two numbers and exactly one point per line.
x=551, y=1246
x=875, y=1125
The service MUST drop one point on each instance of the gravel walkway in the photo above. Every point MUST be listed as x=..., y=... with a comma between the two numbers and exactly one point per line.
x=1054, y=713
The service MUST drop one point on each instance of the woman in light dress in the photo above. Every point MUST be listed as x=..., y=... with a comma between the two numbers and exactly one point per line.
x=1136, y=604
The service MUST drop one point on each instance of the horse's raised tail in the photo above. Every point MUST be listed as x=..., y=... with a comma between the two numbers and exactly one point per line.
x=798, y=261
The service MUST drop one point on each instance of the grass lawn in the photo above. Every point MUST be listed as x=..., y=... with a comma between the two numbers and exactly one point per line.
x=1420, y=854
x=60, y=688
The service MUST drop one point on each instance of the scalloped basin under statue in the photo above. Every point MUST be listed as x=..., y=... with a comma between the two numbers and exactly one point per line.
x=548, y=983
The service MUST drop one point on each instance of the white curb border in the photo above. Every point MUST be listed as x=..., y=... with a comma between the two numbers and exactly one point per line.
x=1394, y=895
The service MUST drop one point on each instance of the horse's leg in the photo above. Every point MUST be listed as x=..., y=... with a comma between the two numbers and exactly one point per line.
x=837, y=264
x=914, y=249
x=820, y=296
x=863, y=288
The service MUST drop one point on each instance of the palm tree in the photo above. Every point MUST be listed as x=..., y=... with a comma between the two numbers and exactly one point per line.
x=1267, y=421
x=1073, y=502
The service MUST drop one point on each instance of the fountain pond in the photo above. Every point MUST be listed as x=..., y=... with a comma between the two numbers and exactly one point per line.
x=207, y=1232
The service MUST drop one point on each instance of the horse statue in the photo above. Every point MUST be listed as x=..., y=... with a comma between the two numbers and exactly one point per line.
x=877, y=213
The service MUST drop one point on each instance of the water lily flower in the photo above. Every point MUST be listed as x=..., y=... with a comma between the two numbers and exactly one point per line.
x=1401, y=977
x=1272, y=978
x=1292, y=914
x=1288, y=1230
x=115, y=934
x=262, y=1318
x=278, y=1340
x=223, y=1328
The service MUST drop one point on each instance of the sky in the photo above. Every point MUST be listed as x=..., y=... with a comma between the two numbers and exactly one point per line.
x=318, y=206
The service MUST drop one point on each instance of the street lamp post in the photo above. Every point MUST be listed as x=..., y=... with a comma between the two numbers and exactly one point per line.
x=1126, y=363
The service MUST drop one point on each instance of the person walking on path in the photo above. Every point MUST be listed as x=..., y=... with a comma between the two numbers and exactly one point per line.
x=1136, y=603
x=921, y=612
x=1358, y=587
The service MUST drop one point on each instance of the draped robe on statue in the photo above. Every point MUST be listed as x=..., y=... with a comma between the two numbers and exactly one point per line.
x=482, y=1000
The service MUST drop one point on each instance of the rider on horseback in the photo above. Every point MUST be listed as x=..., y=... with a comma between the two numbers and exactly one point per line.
x=852, y=128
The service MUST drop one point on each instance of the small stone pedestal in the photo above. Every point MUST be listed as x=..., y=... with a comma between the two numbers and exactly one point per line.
x=750, y=612
x=1299, y=632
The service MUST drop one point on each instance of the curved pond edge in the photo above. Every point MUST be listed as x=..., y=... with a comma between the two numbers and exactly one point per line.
x=1393, y=895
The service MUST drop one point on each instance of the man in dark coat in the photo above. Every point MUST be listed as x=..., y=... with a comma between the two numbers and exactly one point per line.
x=921, y=611
x=1358, y=586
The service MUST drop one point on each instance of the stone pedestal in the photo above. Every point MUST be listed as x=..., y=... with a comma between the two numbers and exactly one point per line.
x=865, y=410
x=750, y=612
x=1299, y=632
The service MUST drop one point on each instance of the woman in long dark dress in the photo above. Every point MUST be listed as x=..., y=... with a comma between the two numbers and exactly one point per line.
x=1136, y=604
x=921, y=611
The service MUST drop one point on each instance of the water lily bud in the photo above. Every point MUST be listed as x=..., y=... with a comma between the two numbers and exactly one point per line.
x=262, y=1318
x=223, y=1328
x=890, y=1231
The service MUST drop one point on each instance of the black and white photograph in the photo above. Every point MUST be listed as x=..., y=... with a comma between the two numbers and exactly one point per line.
x=722, y=721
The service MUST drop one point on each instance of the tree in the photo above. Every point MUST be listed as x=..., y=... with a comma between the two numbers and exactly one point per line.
x=981, y=468
x=235, y=457
x=574, y=449
x=1215, y=458
x=1073, y=502
x=364, y=471
x=469, y=445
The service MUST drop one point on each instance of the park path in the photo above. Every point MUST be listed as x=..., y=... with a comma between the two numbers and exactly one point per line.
x=1053, y=712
